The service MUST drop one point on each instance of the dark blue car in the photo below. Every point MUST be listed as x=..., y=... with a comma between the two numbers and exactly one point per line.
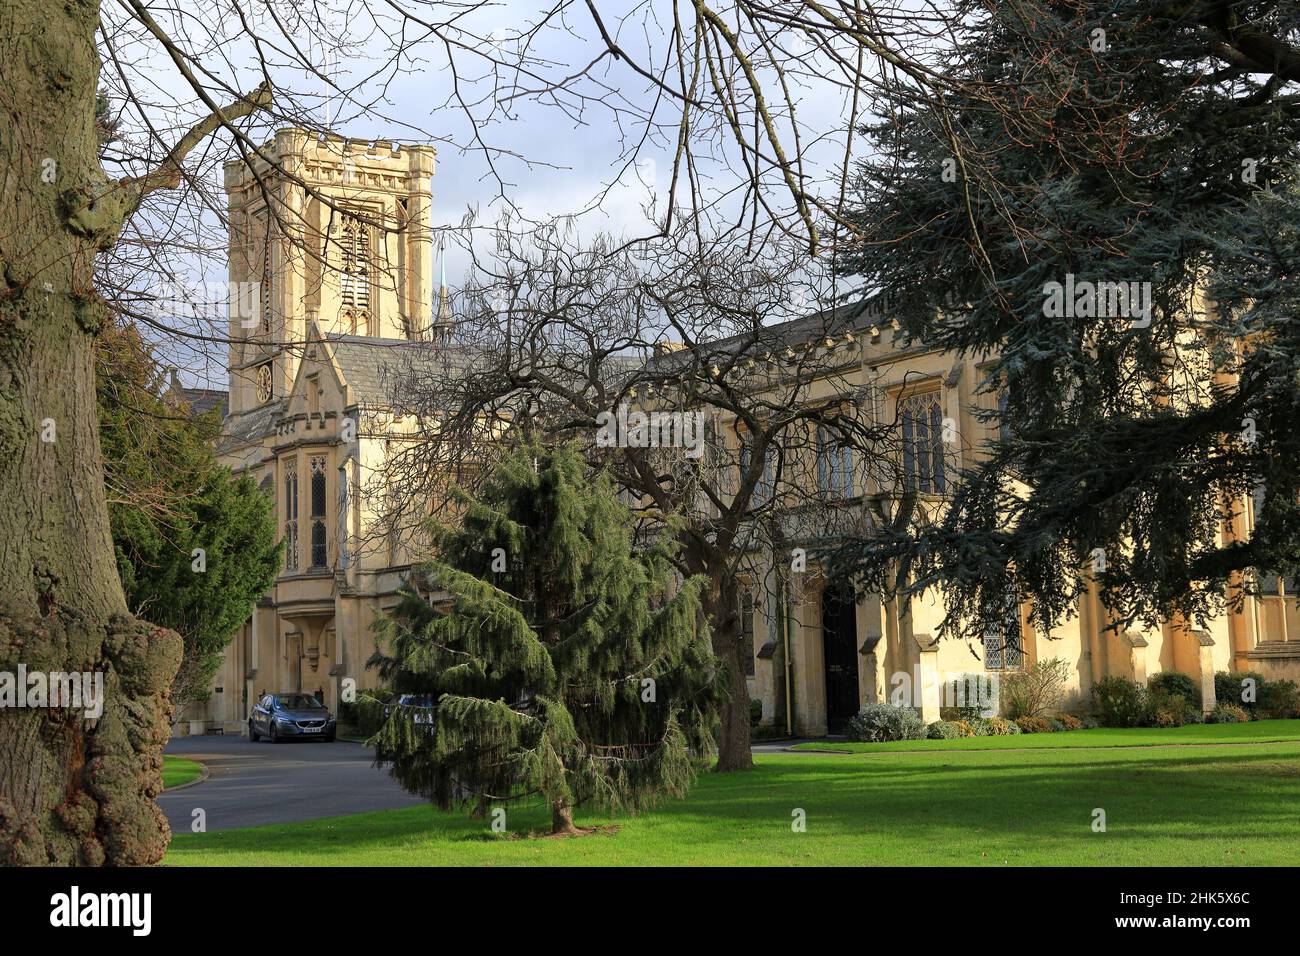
x=284, y=716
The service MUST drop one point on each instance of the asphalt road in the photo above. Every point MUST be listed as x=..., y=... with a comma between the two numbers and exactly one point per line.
x=256, y=783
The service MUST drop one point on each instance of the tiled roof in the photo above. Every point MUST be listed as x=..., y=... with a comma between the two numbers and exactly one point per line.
x=248, y=427
x=203, y=400
x=374, y=367
x=846, y=318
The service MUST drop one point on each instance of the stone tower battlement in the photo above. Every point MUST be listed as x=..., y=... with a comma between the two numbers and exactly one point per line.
x=331, y=231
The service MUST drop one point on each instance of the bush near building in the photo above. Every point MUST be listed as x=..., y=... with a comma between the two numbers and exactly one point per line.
x=1240, y=688
x=1279, y=698
x=1174, y=684
x=1121, y=702
x=1171, y=699
x=1037, y=690
x=1226, y=714
x=1034, y=725
x=541, y=668
x=996, y=727
x=949, y=730
x=880, y=722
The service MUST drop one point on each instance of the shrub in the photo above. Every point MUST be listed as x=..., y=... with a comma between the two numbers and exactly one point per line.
x=755, y=711
x=1069, y=722
x=881, y=722
x=1034, y=725
x=1171, y=710
x=1121, y=702
x=1088, y=723
x=1036, y=690
x=1227, y=714
x=943, y=730
x=1230, y=688
x=1172, y=683
x=995, y=727
x=960, y=713
x=967, y=696
x=1279, y=698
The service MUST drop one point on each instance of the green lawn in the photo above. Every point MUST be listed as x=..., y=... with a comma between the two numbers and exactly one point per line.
x=1197, y=805
x=178, y=770
x=1259, y=731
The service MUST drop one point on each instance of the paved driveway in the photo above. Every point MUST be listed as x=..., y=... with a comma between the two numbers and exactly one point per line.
x=252, y=784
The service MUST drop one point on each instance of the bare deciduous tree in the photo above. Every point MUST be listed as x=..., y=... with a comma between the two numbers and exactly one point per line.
x=573, y=341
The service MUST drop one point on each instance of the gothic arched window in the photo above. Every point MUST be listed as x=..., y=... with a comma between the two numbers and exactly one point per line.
x=291, y=514
x=319, y=556
x=923, y=465
x=1004, y=648
x=834, y=465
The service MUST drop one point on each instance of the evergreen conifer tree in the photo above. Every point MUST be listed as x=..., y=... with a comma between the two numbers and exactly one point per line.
x=561, y=666
x=167, y=497
x=1089, y=159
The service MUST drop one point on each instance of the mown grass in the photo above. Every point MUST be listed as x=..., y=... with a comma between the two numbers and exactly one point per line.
x=1259, y=731
x=178, y=770
x=1174, y=806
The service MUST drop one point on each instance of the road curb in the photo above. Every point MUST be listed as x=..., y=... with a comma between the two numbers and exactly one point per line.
x=204, y=773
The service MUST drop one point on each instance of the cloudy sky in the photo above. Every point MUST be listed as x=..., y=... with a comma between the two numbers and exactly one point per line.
x=601, y=145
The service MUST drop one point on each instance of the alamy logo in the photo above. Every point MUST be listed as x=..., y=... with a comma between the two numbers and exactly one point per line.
x=633, y=429
x=210, y=299
x=74, y=909
x=976, y=691
x=1115, y=300
x=39, y=690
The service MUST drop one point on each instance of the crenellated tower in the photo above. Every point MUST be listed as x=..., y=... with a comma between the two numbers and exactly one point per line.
x=333, y=231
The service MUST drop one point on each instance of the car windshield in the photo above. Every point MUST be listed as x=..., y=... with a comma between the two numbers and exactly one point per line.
x=298, y=702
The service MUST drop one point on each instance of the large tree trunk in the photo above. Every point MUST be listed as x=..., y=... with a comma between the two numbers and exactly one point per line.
x=724, y=619
x=562, y=818
x=72, y=790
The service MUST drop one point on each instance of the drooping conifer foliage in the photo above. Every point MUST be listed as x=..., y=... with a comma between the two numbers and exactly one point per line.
x=558, y=666
x=168, y=496
x=1088, y=145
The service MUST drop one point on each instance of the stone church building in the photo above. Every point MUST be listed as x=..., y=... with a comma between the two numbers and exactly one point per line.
x=341, y=245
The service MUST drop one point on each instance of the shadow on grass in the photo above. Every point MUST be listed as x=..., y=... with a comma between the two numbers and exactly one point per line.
x=1168, y=806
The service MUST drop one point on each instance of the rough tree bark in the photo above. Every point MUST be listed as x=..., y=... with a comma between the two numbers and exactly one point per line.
x=72, y=790
x=562, y=819
x=723, y=610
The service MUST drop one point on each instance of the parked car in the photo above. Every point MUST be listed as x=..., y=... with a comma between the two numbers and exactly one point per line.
x=281, y=716
x=421, y=706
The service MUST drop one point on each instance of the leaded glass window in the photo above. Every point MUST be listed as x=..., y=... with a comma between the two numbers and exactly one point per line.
x=834, y=465
x=291, y=514
x=318, y=534
x=923, y=462
x=1004, y=644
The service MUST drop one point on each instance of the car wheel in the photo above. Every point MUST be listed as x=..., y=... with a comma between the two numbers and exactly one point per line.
x=253, y=735
x=329, y=738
